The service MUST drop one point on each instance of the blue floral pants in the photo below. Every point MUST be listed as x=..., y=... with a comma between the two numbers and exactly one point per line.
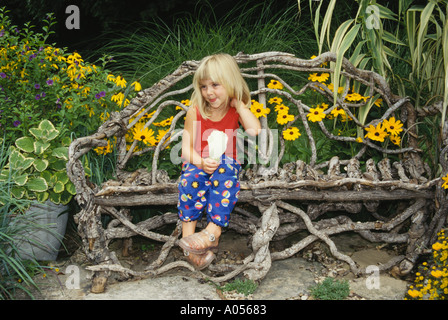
x=217, y=193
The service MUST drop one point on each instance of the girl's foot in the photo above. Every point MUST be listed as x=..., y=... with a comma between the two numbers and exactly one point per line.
x=199, y=243
x=200, y=261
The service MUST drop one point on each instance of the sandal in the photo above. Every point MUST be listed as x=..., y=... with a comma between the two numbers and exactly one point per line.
x=200, y=261
x=196, y=244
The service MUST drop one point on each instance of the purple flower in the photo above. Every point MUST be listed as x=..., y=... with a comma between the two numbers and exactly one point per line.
x=100, y=95
x=50, y=82
x=37, y=97
x=2, y=33
x=3, y=75
x=16, y=123
x=37, y=86
x=43, y=94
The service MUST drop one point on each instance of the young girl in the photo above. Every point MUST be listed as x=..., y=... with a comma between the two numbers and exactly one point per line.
x=219, y=102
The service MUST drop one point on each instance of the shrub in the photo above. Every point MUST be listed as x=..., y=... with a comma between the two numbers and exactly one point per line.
x=331, y=289
x=41, y=81
x=431, y=280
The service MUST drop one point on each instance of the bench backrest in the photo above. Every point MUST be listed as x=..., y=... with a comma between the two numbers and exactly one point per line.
x=367, y=118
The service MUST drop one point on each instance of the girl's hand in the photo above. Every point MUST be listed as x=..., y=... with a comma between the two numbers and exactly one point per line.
x=236, y=104
x=209, y=165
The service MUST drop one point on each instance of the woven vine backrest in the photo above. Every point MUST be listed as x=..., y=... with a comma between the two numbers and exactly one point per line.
x=364, y=98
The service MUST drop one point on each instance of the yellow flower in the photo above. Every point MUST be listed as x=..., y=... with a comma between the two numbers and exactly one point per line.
x=284, y=118
x=437, y=246
x=316, y=114
x=274, y=84
x=104, y=150
x=111, y=78
x=395, y=139
x=291, y=133
x=445, y=184
x=320, y=78
x=258, y=110
x=393, y=126
x=120, y=81
x=354, y=97
x=436, y=273
x=275, y=100
x=359, y=140
x=414, y=293
x=376, y=133
x=281, y=108
x=331, y=87
x=378, y=102
x=137, y=86
x=165, y=122
x=337, y=111
x=323, y=106
x=145, y=135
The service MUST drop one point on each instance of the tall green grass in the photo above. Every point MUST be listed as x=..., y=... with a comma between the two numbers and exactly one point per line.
x=155, y=49
x=15, y=272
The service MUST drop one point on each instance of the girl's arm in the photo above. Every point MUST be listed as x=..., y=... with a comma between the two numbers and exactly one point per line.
x=188, y=139
x=249, y=121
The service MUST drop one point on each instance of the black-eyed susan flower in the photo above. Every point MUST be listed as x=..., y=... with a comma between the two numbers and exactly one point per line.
x=315, y=114
x=445, y=184
x=120, y=81
x=258, y=110
x=291, y=133
x=376, y=133
x=274, y=84
x=145, y=135
x=395, y=139
x=319, y=77
x=281, y=108
x=337, y=111
x=137, y=86
x=393, y=126
x=284, y=118
x=275, y=100
x=355, y=97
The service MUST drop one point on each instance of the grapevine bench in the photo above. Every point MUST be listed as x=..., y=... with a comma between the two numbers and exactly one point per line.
x=278, y=197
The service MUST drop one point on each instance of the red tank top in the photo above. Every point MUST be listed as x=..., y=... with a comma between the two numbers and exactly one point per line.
x=229, y=125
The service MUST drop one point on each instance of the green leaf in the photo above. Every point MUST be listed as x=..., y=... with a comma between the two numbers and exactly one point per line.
x=36, y=132
x=61, y=153
x=70, y=187
x=18, y=192
x=40, y=164
x=37, y=184
x=20, y=179
x=58, y=187
x=18, y=161
x=65, y=198
x=55, y=197
x=61, y=176
x=42, y=196
x=46, y=125
x=40, y=147
x=48, y=130
x=58, y=165
x=4, y=175
x=25, y=144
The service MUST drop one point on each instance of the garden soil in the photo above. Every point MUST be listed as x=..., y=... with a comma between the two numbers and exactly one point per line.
x=289, y=279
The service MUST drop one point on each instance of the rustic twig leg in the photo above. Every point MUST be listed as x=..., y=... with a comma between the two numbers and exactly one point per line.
x=260, y=243
x=94, y=244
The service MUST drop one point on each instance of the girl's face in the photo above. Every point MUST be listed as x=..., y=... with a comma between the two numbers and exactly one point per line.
x=214, y=93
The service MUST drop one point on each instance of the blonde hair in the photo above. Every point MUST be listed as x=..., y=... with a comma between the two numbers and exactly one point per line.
x=223, y=69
